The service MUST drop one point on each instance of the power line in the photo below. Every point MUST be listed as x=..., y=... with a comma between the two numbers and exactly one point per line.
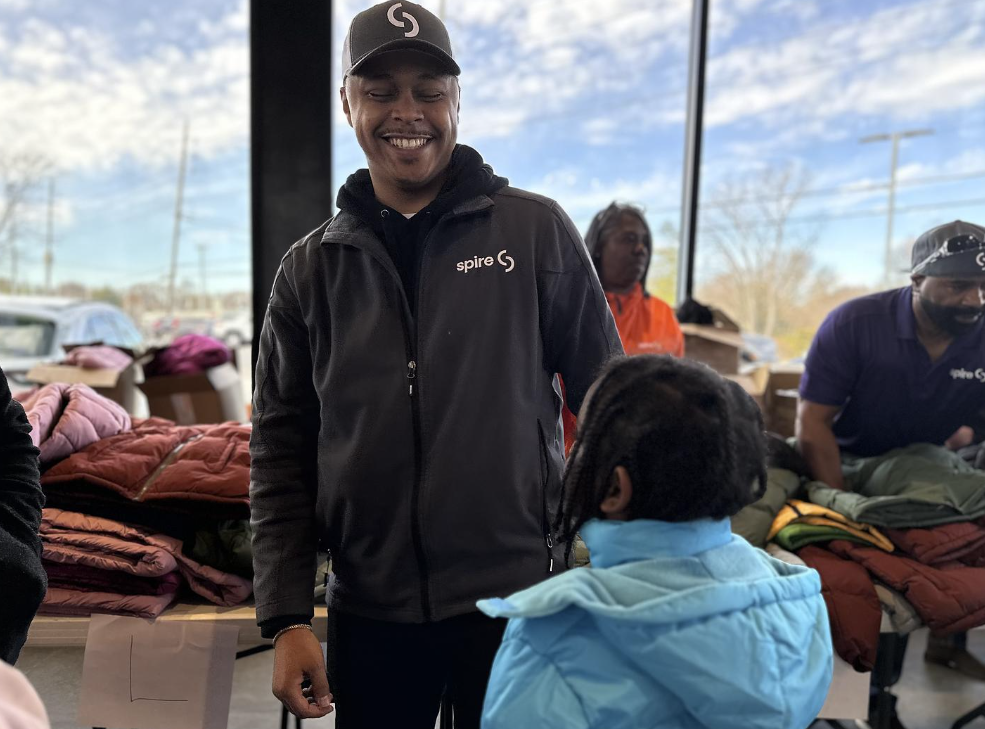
x=837, y=191
x=828, y=218
x=852, y=190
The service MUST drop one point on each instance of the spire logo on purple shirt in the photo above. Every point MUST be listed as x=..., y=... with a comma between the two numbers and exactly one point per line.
x=963, y=374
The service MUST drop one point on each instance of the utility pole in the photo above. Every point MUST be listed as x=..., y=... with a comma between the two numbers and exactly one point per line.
x=176, y=237
x=201, y=270
x=441, y=10
x=12, y=238
x=49, y=255
x=895, y=138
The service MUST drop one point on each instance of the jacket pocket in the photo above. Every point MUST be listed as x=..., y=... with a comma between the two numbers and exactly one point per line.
x=547, y=527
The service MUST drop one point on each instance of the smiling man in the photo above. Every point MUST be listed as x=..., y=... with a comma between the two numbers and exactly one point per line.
x=406, y=404
x=903, y=367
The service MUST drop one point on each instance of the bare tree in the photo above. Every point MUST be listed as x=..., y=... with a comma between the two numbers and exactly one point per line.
x=760, y=263
x=20, y=174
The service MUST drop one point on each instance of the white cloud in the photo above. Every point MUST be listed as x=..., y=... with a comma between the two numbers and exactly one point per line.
x=76, y=96
x=802, y=10
x=567, y=60
x=234, y=23
x=601, y=131
x=582, y=195
x=967, y=162
x=882, y=65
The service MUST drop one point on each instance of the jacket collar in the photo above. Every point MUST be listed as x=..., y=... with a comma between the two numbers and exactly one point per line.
x=613, y=543
x=344, y=226
x=906, y=325
x=621, y=301
x=467, y=178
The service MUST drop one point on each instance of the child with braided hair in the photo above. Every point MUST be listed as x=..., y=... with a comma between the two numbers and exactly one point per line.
x=679, y=624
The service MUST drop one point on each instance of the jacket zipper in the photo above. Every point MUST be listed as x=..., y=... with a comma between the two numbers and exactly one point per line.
x=412, y=375
x=416, y=530
x=413, y=370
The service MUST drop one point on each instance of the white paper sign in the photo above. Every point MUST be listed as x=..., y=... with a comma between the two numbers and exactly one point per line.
x=140, y=674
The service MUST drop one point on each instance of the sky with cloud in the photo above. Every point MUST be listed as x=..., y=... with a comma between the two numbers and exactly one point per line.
x=581, y=101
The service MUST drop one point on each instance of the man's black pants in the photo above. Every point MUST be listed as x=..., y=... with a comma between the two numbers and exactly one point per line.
x=385, y=674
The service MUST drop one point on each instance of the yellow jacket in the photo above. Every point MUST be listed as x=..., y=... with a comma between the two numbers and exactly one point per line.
x=804, y=512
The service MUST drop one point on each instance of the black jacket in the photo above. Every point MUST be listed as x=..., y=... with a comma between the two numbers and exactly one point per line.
x=22, y=579
x=423, y=451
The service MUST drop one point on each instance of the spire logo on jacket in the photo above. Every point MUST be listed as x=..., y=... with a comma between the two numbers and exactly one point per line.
x=961, y=373
x=477, y=262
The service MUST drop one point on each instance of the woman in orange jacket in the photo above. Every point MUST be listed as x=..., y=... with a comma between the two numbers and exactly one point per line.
x=620, y=245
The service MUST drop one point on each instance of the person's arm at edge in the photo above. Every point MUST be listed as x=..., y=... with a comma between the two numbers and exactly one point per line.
x=580, y=333
x=817, y=443
x=22, y=578
x=283, y=487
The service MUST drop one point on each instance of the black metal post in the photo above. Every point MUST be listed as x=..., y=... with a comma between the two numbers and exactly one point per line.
x=694, y=128
x=291, y=145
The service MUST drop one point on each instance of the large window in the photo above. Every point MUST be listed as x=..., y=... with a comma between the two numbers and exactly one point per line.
x=582, y=102
x=835, y=133
x=124, y=165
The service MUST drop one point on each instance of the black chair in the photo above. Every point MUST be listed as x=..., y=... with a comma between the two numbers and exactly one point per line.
x=978, y=711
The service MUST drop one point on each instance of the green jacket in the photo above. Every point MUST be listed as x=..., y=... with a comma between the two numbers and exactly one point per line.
x=797, y=536
x=918, y=486
x=754, y=522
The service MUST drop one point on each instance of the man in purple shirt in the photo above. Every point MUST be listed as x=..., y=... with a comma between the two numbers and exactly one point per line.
x=902, y=367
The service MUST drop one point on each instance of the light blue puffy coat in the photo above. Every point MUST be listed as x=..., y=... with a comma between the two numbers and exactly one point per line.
x=677, y=625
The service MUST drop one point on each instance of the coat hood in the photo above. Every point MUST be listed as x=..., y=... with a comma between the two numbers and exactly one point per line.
x=716, y=624
x=468, y=177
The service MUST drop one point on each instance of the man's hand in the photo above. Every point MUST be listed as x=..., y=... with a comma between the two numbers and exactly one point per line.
x=964, y=436
x=297, y=657
x=817, y=443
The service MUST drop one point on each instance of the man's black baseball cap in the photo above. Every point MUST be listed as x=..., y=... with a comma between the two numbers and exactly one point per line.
x=393, y=26
x=952, y=250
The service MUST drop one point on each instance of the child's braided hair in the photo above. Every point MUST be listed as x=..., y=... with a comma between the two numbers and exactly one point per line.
x=692, y=441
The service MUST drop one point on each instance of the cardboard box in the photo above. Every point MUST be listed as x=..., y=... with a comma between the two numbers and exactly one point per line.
x=214, y=396
x=755, y=383
x=716, y=347
x=782, y=398
x=782, y=417
x=116, y=385
x=724, y=321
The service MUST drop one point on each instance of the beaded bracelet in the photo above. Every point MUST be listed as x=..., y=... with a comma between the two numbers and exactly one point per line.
x=289, y=628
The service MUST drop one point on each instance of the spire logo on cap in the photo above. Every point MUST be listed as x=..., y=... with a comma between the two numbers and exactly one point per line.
x=393, y=26
x=390, y=15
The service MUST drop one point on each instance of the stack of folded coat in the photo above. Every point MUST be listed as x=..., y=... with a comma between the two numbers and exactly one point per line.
x=916, y=546
x=800, y=523
x=138, y=510
x=930, y=503
x=99, y=565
